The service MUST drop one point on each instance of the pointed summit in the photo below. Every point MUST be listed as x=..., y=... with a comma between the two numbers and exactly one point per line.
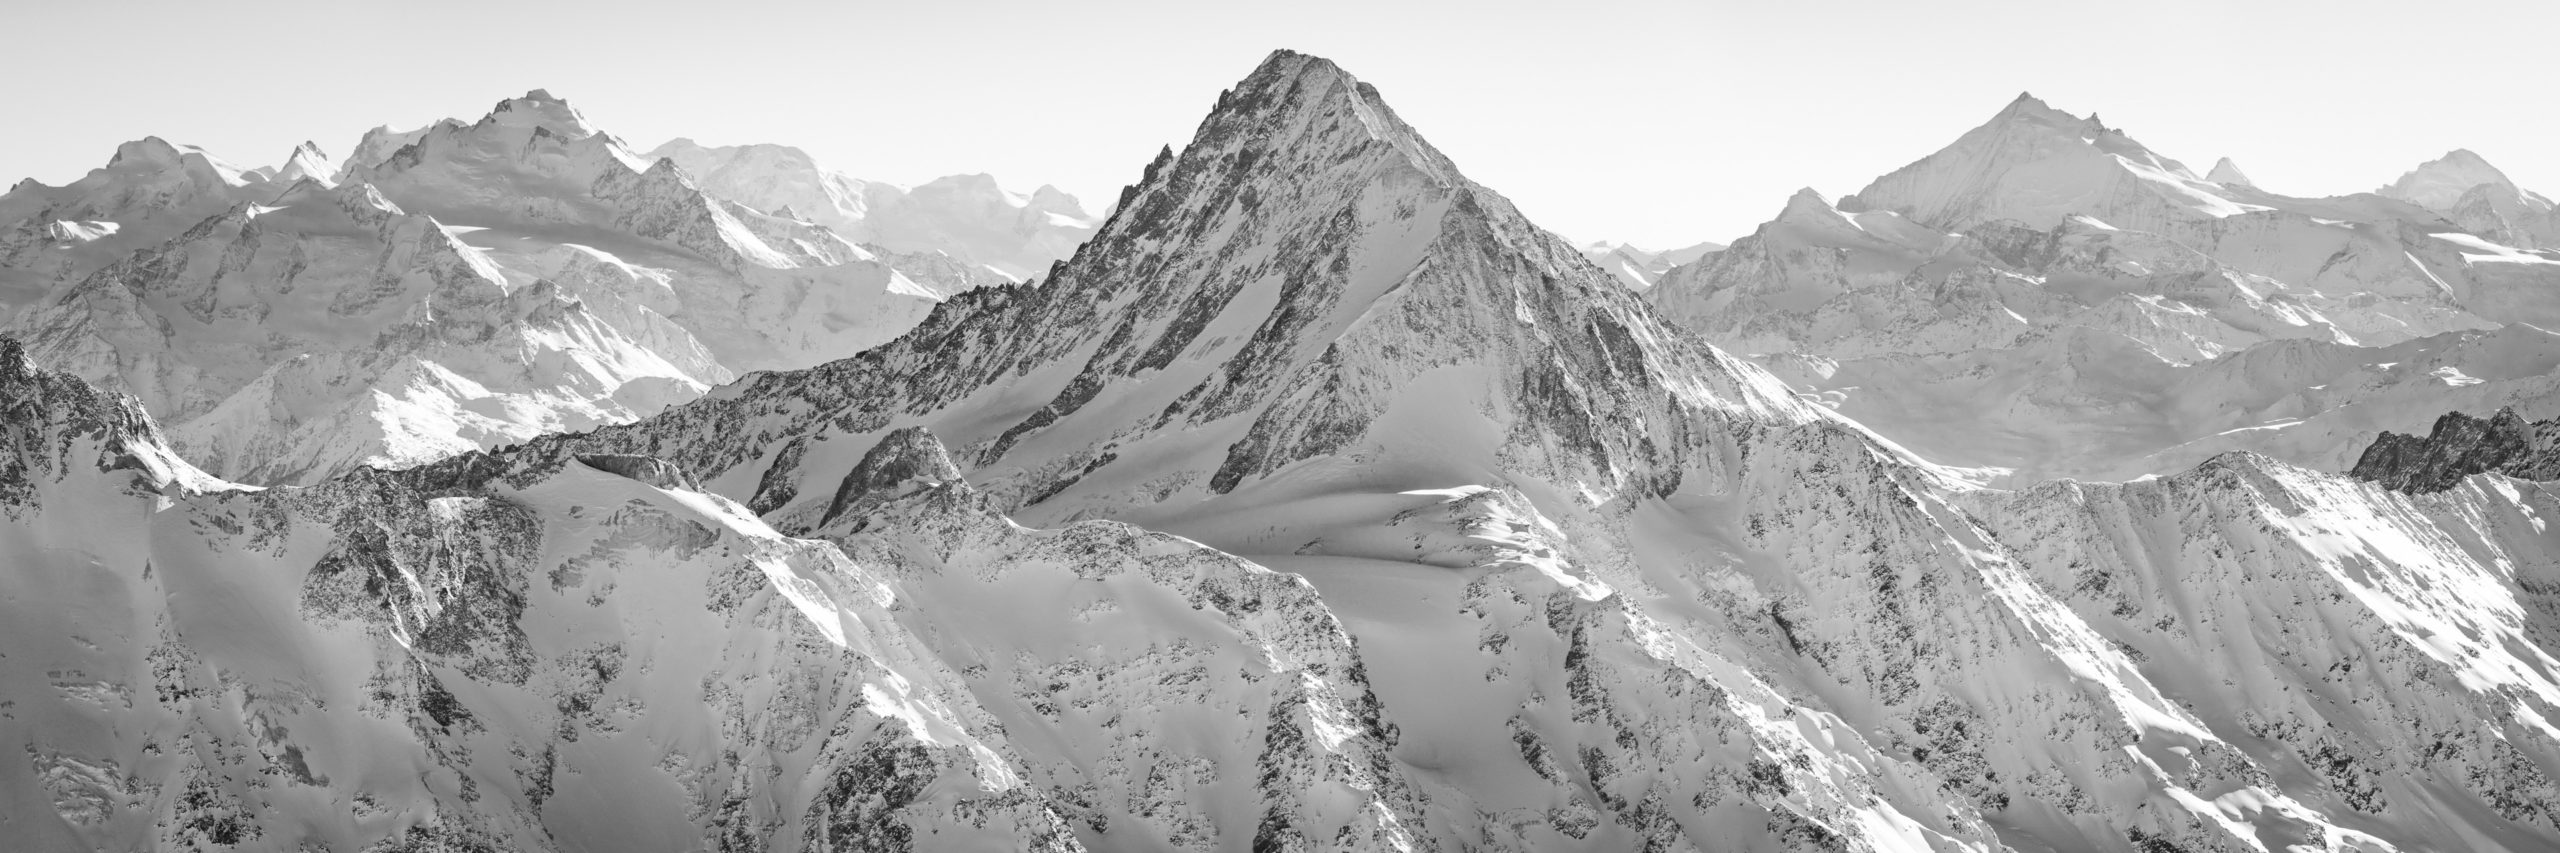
x=308, y=162
x=1306, y=265
x=2227, y=172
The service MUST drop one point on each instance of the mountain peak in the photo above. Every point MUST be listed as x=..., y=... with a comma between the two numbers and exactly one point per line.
x=2029, y=108
x=149, y=149
x=2038, y=166
x=308, y=162
x=155, y=155
x=1808, y=203
x=2439, y=184
x=539, y=109
x=2227, y=172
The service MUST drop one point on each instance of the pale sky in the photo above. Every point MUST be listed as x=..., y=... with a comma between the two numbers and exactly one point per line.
x=1661, y=123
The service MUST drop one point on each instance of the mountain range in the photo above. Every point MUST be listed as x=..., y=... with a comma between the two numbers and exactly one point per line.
x=2046, y=297
x=460, y=286
x=1318, y=500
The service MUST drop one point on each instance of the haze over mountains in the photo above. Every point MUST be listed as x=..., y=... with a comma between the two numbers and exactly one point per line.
x=1318, y=500
x=2046, y=297
x=470, y=284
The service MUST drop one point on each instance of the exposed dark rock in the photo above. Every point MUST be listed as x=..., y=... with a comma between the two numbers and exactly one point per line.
x=2459, y=446
x=647, y=469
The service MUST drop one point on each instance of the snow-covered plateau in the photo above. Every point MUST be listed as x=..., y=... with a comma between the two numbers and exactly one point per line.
x=1318, y=501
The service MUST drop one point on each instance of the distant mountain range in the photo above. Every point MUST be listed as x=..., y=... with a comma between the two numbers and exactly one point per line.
x=469, y=285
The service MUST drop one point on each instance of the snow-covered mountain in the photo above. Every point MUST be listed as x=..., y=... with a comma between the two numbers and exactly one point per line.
x=1640, y=268
x=1320, y=501
x=2048, y=297
x=2466, y=189
x=473, y=285
x=967, y=217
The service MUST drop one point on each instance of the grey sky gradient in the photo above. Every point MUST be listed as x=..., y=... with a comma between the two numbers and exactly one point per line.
x=1663, y=123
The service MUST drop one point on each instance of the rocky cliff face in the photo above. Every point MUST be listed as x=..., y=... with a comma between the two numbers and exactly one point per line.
x=391, y=662
x=2460, y=446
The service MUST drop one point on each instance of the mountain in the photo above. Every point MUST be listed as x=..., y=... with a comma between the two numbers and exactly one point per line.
x=390, y=663
x=2460, y=446
x=2466, y=189
x=2046, y=297
x=477, y=285
x=148, y=191
x=1640, y=268
x=967, y=217
x=2228, y=173
x=1320, y=501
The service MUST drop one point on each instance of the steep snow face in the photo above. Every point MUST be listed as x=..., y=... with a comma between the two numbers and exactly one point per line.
x=597, y=659
x=968, y=218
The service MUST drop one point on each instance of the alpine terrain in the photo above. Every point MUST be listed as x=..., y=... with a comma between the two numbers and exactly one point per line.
x=1317, y=501
x=2046, y=297
x=460, y=286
